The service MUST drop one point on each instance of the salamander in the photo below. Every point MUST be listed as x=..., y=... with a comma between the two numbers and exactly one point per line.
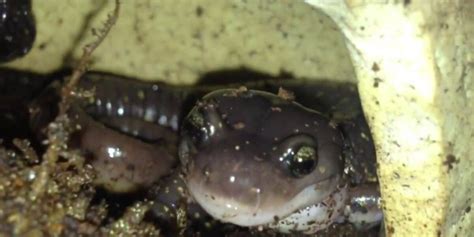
x=250, y=155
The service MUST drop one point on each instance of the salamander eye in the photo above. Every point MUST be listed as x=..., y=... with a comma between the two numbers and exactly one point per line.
x=299, y=155
x=203, y=122
x=195, y=126
x=301, y=160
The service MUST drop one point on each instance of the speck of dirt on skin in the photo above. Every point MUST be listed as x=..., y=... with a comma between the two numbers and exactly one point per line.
x=239, y=125
x=285, y=94
x=276, y=109
x=242, y=89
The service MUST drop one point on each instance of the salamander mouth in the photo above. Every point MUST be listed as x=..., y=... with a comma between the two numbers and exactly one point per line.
x=266, y=208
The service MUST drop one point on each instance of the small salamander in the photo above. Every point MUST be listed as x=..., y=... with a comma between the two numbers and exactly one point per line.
x=247, y=156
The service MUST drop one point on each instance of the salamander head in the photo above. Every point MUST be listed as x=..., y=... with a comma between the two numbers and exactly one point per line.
x=252, y=157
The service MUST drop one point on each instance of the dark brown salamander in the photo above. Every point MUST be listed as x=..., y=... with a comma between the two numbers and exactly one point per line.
x=251, y=157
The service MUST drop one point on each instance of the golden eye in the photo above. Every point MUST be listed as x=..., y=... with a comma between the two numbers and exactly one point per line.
x=298, y=154
x=302, y=161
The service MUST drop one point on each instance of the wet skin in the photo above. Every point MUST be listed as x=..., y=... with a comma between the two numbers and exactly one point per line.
x=250, y=157
x=241, y=149
x=247, y=152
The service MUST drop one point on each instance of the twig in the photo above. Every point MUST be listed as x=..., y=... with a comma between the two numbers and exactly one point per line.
x=86, y=56
x=57, y=130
